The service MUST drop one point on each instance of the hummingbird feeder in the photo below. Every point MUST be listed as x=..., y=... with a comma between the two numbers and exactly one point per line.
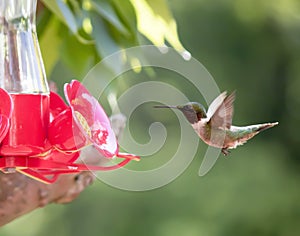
x=41, y=136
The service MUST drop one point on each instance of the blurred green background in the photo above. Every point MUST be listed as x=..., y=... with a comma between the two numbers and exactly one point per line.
x=248, y=45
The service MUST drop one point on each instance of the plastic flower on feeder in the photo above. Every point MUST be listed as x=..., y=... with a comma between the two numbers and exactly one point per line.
x=84, y=123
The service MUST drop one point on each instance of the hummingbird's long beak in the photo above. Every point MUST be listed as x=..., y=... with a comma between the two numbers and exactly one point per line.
x=166, y=107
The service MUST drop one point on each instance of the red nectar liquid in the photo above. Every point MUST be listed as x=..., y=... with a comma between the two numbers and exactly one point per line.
x=28, y=125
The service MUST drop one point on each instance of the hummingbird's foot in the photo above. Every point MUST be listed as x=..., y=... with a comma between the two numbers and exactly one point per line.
x=225, y=151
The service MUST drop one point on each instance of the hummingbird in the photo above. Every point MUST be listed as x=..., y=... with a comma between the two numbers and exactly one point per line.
x=214, y=126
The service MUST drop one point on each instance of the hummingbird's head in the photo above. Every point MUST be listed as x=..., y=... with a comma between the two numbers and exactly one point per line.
x=193, y=111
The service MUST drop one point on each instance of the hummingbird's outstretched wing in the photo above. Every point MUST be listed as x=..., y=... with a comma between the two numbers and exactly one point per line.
x=215, y=104
x=220, y=111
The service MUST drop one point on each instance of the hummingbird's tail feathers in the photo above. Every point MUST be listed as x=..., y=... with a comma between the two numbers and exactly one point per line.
x=263, y=127
x=240, y=135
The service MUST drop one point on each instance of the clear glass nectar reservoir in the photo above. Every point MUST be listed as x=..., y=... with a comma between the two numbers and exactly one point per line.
x=21, y=65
